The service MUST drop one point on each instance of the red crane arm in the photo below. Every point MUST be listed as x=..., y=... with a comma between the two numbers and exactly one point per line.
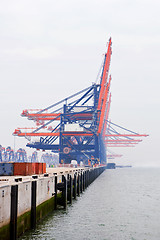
x=126, y=135
x=43, y=115
x=122, y=140
x=80, y=116
x=114, y=155
x=107, y=115
x=120, y=145
x=101, y=121
x=128, y=143
x=105, y=74
x=31, y=134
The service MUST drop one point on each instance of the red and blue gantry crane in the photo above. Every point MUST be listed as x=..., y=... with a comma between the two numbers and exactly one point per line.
x=77, y=127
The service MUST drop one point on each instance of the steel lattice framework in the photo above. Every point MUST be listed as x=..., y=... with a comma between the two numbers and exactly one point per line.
x=77, y=127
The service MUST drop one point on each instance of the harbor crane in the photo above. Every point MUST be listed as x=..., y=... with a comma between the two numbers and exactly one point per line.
x=78, y=127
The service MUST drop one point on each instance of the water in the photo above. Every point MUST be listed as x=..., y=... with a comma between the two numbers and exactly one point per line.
x=121, y=204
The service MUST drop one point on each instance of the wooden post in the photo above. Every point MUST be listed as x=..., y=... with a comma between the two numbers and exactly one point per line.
x=14, y=210
x=81, y=183
x=70, y=189
x=87, y=177
x=33, y=204
x=92, y=175
x=75, y=186
x=84, y=183
x=78, y=185
x=64, y=192
x=55, y=196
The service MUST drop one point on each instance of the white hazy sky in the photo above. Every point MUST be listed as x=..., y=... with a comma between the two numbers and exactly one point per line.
x=51, y=49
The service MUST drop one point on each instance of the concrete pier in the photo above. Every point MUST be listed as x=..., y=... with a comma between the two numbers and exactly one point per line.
x=25, y=200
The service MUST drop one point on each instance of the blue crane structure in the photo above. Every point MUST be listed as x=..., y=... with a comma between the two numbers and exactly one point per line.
x=76, y=126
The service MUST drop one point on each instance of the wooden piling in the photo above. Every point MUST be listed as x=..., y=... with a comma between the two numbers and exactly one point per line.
x=55, y=195
x=64, y=191
x=84, y=181
x=78, y=185
x=33, y=204
x=70, y=189
x=81, y=182
x=75, y=187
x=14, y=210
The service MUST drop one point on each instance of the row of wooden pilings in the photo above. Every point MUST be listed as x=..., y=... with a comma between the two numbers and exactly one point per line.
x=70, y=187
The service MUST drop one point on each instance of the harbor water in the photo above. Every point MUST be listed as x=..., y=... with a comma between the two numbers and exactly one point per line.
x=121, y=204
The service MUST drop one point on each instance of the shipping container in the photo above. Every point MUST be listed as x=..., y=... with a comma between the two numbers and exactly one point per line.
x=30, y=170
x=73, y=127
x=6, y=169
x=19, y=169
x=38, y=169
x=23, y=169
x=34, y=168
x=43, y=167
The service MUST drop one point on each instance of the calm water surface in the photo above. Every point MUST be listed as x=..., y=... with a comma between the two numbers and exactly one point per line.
x=121, y=204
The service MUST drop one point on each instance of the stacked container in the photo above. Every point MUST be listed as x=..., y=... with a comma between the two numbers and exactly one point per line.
x=6, y=169
x=22, y=169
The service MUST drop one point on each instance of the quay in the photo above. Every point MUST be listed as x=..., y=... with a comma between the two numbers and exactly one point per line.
x=24, y=200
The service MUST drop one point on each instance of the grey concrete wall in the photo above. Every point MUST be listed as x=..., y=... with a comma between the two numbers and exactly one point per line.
x=45, y=190
x=5, y=208
x=24, y=197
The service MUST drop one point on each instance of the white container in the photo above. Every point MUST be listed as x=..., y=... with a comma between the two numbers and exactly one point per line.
x=74, y=127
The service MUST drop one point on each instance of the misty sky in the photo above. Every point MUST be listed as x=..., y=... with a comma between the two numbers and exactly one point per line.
x=51, y=49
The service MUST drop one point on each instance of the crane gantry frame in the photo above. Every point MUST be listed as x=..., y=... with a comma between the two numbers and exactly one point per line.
x=81, y=128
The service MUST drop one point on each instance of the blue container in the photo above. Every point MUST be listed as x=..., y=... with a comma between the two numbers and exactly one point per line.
x=6, y=169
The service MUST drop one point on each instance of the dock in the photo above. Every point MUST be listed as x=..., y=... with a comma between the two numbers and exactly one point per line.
x=24, y=200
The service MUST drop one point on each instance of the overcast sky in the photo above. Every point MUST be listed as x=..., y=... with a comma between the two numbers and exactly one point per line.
x=51, y=49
